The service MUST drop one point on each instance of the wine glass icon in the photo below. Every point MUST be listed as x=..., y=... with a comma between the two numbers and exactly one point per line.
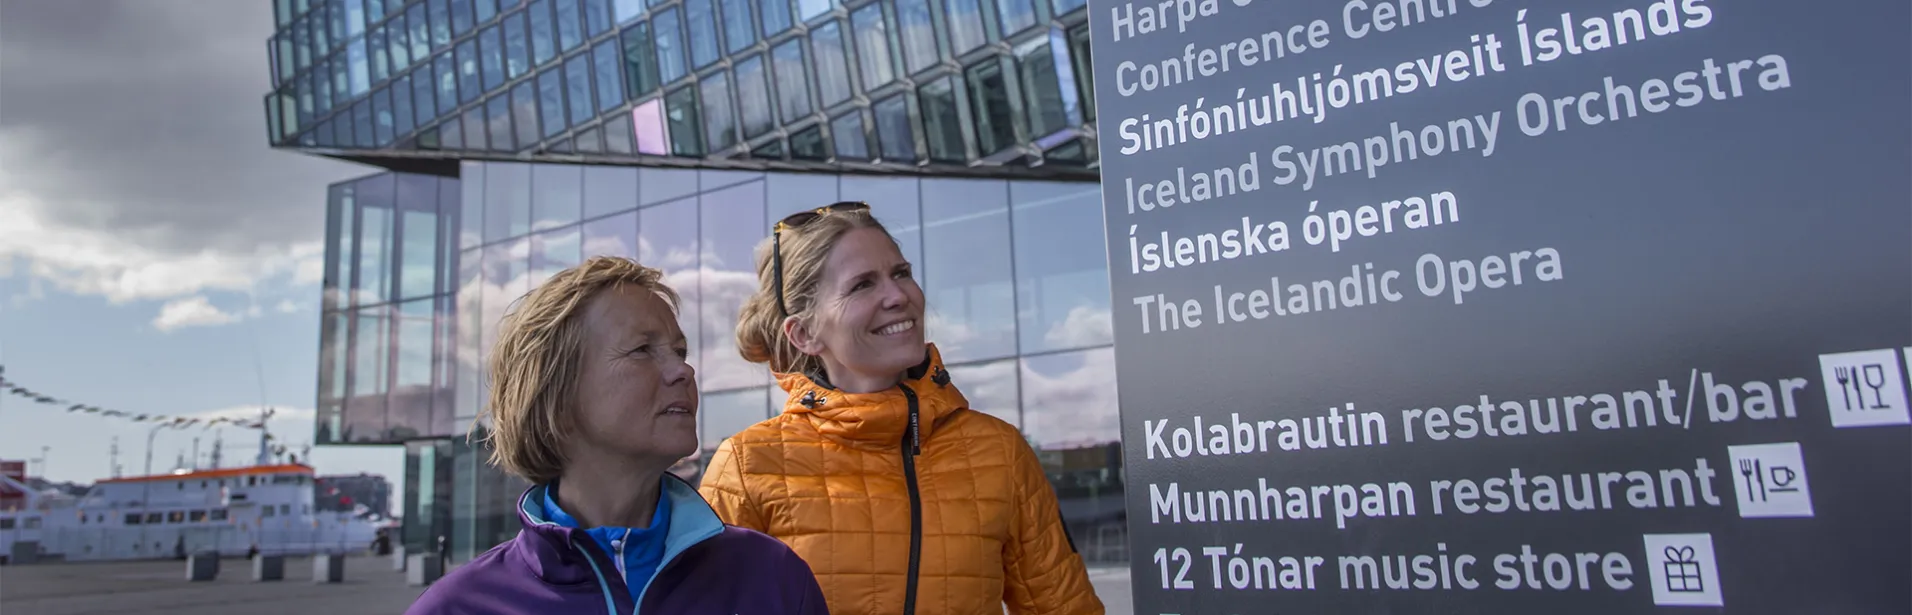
x=1875, y=379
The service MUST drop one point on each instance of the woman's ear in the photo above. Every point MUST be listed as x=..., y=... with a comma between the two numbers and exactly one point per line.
x=800, y=336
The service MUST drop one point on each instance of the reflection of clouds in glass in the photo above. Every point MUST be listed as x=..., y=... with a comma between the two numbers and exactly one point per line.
x=716, y=301
x=608, y=245
x=1069, y=400
x=990, y=388
x=1084, y=326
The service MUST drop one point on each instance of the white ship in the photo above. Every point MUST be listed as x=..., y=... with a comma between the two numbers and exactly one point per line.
x=235, y=511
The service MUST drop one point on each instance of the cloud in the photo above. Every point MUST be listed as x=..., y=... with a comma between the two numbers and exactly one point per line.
x=1070, y=400
x=1083, y=326
x=194, y=311
x=286, y=306
x=133, y=163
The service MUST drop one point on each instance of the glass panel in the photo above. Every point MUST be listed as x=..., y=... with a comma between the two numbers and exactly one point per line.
x=362, y=118
x=1063, y=7
x=342, y=131
x=301, y=46
x=460, y=17
x=776, y=16
x=341, y=80
x=375, y=240
x=1016, y=15
x=506, y=277
x=1079, y=51
x=873, y=45
x=640, y=61
x=543, y=46
x=626, y=10
x=1049, y=107
x=612, y=236
x=469, y=87
x=685, y=129
x=990, y=388
x=447, y=83
x=610, y=88
x=942, y=123
x=517, y=55
x=894, y=201
x=809, y=9
x=656, y=185
x=324, y=82
x=893, y=129
x=608, y=190
x=725, y=414
x=851, y=143
x=733, y=222
x=551, y=102
x=450, y=136
x=577, y=88
x=753, y=97
x=670, y=46
x=570, y=25
x=552, y=252
x=484, y=11
x=365, y=412
x=739, y=30
x=374, y=11
x=589, y=141
x=1062, y=280
x=524, y=113
x=346, y=197
x=807, y=144
x=398, y=40
x=498, y=122
x=701, y=24
x=507, y=201
x=833, y=76
x=1070, y=417
x=965, y=25
x=419, y=257
x=382, y=117
x=918, y=34
x=361, y=79
x=422, y=94
x=556, y=195
x=668, y=240
x=597, y=16
x=617, y=134
x=719, y=123
x=648, y=127
x=354, y=18
x=421, y=32
x=471, y=204
x=793, y=85
x=400, y=115
x=492, y=49
x=441, y=24
x=475, y=131
x=375, y=40
x=989, y=107
x=971, y=299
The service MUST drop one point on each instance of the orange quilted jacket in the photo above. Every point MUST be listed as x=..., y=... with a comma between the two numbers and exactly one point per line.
x=954, y=517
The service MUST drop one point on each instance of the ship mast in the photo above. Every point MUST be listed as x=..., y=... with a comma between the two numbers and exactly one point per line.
x=265, y=443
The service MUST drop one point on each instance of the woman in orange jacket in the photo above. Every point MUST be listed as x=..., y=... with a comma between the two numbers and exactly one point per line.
x=901, y=498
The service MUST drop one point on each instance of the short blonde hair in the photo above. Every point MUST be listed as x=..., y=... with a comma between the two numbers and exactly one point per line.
x=760, y=336
x=534, y=364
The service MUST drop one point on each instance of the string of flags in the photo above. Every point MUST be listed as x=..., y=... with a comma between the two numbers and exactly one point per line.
x=175, y=422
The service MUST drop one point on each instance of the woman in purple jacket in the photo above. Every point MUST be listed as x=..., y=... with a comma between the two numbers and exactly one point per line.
x=591, y=400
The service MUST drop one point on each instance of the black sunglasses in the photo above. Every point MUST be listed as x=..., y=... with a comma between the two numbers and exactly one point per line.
x=797, y=220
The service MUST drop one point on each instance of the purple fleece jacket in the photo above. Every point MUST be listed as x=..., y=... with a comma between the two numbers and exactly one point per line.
x=708, y=568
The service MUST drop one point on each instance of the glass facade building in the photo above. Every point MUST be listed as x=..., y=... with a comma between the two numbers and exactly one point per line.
x=516, y=138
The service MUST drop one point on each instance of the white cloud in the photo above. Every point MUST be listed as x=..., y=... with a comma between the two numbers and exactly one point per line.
x=286, y=306
x=1083, y=326
x=194, y=311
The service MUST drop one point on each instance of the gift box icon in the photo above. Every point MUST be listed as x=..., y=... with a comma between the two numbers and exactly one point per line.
x=1683, y=570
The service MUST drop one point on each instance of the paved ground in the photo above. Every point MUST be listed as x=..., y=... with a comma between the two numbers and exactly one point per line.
x=160, y=588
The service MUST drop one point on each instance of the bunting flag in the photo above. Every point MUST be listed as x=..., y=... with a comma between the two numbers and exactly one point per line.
x=176, y=422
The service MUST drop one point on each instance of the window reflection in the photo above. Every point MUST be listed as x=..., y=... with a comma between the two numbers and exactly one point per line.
x=492, y=51
x=833, y=77
x=570, y=25
x=647, y=127
x=421, y=32
x=577, y=88
x=894, y=202
x=524, y=113
x=753, y=97
x=794, y=192
x=557, y=195
x=893, y=129
x=450, y=136
x=382, y=117
x=942, y=122
x=917, y=32
x=1079, y=51
x=475, y=130
x=1016, y=15
x=1044, y=100
x=471, y=206
x=807, y=144
x=609, y=189
x=683, y=123
x=365, y=411
x=447, y=83
x=989, y=107
x=640, y=61
x=617, y=135
x=626, y=10
x=1062, y=275
x=422, y=94
x=460, y=17
x=517, y=51
x=1070, y=415
x=543, y=46
x=398, y=41
x=604, y=66
x=656, y=185
x=402, y=114
x=873, y=45
x=733, y=222
x=551, y=102
x=776, y=16
x=361, y=80
x=554, y=251
x=469, y=87
x=965, y=25
x=990, y=388
x=507, y=201
x=375, y=240
x=375, y=41
x=809, y=9
x=441, y=23
x=670, y=46
x=498, y=122
x=739, y=31
x=612, y=236
x=418, y=264
x=668, y=240
x=414, y=346
x=793, y=85
x=966, y=254
x=700, y=24
x=851, y=142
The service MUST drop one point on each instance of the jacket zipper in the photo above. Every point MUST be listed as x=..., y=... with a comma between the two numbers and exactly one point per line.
x=913, y=446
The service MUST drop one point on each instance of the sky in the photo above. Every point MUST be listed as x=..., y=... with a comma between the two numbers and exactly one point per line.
x=155, y=255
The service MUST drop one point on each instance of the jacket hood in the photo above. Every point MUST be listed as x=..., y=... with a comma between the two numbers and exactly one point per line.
x=559, y=555
x=879, y=419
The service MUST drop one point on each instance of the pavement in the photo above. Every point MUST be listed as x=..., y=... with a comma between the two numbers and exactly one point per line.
x=371, y=586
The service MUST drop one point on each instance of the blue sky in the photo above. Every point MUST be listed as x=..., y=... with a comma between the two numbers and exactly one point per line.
x=155, y=256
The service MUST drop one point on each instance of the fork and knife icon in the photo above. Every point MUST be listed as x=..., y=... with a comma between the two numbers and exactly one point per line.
x=1755, y=474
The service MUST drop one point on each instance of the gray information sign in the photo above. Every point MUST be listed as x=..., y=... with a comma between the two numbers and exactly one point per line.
x=1436, y=306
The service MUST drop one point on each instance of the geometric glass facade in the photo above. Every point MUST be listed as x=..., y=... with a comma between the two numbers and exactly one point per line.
x=1013, y=271
x=935, y=86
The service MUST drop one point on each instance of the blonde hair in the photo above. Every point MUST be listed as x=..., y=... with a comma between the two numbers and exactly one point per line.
x=760, y=336
x=534, y=364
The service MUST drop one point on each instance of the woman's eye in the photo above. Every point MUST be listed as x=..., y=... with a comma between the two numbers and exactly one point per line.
x=860, y=286
x=683, y=353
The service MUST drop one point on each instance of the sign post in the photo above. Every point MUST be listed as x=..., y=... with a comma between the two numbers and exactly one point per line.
x=1494, y=306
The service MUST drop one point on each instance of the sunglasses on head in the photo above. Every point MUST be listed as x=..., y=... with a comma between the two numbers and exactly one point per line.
x=794, y=221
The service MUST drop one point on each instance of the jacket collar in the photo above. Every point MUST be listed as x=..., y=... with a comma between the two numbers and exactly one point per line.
x=879, y=419
x=557, y=554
